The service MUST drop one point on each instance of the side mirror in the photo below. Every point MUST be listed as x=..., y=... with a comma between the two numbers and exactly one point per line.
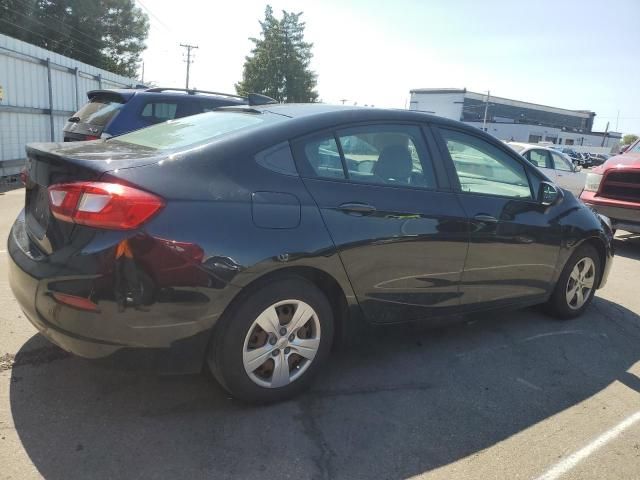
x=549, y=194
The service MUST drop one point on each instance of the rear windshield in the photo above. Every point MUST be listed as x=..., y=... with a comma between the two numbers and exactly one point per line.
x=197, y=129
x=99, y=111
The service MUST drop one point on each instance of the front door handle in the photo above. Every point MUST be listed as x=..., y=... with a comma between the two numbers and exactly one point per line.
x=357, y=208
x=484, y=218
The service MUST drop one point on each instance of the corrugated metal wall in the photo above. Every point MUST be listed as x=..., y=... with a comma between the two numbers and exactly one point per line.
x=41, y=90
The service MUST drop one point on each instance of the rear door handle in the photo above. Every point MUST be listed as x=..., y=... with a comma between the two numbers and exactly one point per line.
x=483, y=217
x=357, y=208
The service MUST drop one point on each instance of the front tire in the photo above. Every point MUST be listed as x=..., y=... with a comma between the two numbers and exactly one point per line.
x=577, y=284
x=272, y=341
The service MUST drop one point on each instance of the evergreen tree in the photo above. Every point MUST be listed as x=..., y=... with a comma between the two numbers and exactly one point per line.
x=108, y=34
x=278, y=65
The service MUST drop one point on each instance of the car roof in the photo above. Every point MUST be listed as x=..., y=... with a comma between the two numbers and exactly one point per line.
x=346, y=113
x=528, y=146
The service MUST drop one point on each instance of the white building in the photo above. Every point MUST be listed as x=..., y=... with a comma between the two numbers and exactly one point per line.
x=514, y=120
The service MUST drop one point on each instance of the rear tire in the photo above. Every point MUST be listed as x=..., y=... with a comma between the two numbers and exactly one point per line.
x=576, y=286
x=271, y=342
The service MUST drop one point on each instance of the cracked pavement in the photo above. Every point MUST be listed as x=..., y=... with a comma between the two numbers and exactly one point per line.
x=493, y=396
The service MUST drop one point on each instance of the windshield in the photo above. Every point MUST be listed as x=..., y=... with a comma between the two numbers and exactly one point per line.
x=635, y=148
x=99, y=111
x=194, y=130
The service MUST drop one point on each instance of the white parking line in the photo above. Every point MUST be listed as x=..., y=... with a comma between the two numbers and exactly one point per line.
x=3, y=251
x=572, y=460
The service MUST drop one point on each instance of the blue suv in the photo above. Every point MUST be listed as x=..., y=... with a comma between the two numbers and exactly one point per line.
x=114, y=112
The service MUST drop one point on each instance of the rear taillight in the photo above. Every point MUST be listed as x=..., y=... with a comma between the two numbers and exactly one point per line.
x=103, y=205
x=91, y=137
x=24, y=176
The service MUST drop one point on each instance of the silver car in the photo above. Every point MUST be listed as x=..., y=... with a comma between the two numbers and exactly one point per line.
x=555, y=165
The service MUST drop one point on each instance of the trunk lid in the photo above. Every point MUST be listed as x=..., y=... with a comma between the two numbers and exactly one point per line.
x=51, y=163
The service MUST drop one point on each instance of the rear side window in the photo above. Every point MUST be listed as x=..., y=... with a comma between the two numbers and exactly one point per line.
x=324, y=157
x=386, y=154
x=483, y=168
x=156, y=112
x=99, y=111
x=195, y=130
x=377, y=154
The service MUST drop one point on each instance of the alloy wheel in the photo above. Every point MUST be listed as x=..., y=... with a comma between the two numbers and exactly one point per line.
x=580, y=283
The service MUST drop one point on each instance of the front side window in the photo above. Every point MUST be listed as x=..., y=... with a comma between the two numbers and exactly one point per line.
x=539, y=158
x=560, y=163
x=485, y=169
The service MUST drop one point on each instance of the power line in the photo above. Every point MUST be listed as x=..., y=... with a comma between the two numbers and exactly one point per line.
x=64, y=34
x=154, y=16
x=93, y=39
x=42, y=36
x=189, y=61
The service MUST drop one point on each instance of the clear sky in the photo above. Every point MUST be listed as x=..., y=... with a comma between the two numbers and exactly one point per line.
x=575, y=54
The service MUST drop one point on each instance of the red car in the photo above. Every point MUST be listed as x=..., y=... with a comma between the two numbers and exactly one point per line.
x=613, y=189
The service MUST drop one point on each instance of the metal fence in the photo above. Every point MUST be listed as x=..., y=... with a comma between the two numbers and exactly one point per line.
x=39, y=90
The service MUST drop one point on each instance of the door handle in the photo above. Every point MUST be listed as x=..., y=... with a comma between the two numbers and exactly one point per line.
x=484, y=218
x=357, y=208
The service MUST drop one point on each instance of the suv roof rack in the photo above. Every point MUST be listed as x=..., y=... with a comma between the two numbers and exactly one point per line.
x=191, y=91
x=252, y=98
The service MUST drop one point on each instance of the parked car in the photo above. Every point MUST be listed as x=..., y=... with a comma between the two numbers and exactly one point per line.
x=575, y=157
x=596, y=159
x=557, y=166
x=250, y=239
x=613, y=189
x=114, y=112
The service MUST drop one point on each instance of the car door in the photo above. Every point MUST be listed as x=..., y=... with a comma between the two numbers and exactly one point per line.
x=541, y=158
x=514, y=241
x=401, y=233
x=566, y=176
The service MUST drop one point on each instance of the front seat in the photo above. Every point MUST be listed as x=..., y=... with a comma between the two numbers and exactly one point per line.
x=394, y=165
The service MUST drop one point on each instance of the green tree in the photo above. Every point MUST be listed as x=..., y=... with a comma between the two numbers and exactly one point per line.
x=278, y=65
x=629, y=139
x=108, y=34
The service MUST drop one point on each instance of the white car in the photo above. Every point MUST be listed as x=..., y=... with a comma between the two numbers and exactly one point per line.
x=555, y=165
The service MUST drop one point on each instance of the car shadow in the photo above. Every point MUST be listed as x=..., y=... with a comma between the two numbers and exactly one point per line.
x=398, y=402
x=627, y=245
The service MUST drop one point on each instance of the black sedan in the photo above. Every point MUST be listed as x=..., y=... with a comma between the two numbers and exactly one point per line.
x=251, y=239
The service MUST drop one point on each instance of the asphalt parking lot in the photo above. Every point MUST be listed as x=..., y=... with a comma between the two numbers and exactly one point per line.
x=510, y=396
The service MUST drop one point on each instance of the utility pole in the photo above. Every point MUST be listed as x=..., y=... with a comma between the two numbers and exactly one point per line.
x=189, y=61
x=604, y=137
x=617, y=118
x=344, y=100
x=486, y=107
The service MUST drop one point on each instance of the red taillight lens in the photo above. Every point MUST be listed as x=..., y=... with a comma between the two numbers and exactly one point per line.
x=103, y=205
x=24, y=176
x=91, y=137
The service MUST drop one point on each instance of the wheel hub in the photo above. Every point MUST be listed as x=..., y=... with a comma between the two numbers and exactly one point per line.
x=281, y=343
